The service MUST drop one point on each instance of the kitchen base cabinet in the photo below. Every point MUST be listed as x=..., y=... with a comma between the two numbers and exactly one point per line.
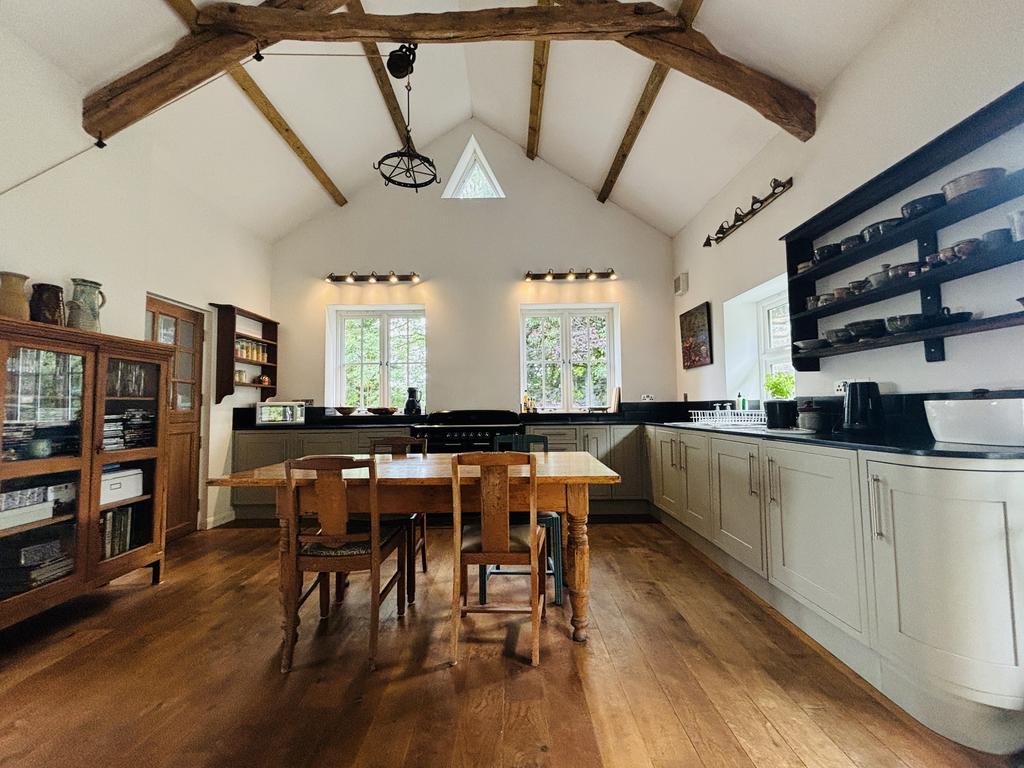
x=693, y=455
x=668, y=488
x=947, y=546
x=815, y=536
x=594, y=440
x=619, y=446
x=737, y=522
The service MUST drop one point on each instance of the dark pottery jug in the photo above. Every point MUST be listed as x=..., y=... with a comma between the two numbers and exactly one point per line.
x=47, y=304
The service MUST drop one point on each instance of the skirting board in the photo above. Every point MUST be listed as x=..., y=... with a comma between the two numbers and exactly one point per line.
x=981, y=727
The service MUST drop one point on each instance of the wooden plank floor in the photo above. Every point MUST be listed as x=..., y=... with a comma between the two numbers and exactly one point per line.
x=682, y=669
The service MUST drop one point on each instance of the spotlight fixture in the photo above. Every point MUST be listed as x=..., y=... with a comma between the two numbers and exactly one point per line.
x=550, y=275
x=393, y=277
x=257, y=56
x=741, y=217
x=406, y=167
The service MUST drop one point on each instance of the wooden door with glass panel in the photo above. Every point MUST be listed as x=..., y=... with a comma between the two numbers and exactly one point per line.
x=43, y=486
x=182, y=328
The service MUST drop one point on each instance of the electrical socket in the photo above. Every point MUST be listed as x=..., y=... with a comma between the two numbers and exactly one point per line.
x=839, y=387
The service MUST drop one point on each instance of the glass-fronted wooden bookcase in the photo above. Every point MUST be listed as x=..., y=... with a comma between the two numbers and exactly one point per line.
x=82, y=463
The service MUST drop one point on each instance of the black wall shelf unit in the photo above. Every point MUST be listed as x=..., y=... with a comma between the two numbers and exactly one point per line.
x=990, y=122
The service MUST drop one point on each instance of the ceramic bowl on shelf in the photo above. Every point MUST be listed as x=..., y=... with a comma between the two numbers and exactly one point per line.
x=840, y=336
x=345, y=410
x=388, y=411
x=965, y=249
x=809, y=344
x=970, y=182
x=803, y=266
x=995, y=239
x=906, y=323
x=825, y=298
x=867, y=329
x=948, y=256
x=859, y=286
x=948, y=316
x=812, y=302
x=849, y=243
x=1021, y=301
x=826, y=252
x=907, y=269
x=922, y=205
x=879, y=228
x=880, y=278
x=842, y=292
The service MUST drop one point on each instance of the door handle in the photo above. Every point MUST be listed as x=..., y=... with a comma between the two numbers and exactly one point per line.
x=771, y=485
x=750, y=473
x=876, y=492
x=682, y=455
x=672, y=452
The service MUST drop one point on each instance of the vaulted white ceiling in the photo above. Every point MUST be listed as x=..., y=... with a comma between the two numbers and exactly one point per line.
x=694, y=141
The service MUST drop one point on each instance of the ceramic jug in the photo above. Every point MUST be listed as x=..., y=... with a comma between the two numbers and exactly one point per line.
x=47, y=304
x=85, y=305
x=13, y=301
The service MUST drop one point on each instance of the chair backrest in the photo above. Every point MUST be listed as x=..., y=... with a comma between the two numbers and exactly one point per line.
x=494, y=496
x=528, y=440
x=328, y=498
x=505, y=443
x=399, y=446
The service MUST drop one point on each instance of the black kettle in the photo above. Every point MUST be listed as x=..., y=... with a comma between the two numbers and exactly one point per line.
x=862, y=408
x=412, y=405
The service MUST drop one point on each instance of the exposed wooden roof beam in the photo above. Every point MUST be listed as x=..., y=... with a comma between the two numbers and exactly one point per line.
x=687, y=11
x=192, y=61
x=538, y=80
x=380, y=74
x=605, y=21
x=187, y=10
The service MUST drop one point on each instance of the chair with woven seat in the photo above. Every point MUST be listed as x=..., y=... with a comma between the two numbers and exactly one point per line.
x=399, y=447
x=495, y=540
x=325, y=539
x=551, y=521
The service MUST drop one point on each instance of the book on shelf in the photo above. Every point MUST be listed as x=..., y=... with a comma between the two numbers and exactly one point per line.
x=117, y=531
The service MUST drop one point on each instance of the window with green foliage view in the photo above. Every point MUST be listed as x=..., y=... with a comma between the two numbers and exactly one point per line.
x=382, y=355
x=567, y=357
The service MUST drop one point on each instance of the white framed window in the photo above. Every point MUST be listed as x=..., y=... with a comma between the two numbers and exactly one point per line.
x=774, y=338
x=472, y=178
x=374, y=354
x=569, y=355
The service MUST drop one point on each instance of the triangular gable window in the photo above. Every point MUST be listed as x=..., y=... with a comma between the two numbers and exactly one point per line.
x=473, y=177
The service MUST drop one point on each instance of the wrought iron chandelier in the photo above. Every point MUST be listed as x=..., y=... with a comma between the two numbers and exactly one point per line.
x=406, y=167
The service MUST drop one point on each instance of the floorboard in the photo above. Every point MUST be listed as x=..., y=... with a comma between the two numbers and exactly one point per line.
x=684, y=669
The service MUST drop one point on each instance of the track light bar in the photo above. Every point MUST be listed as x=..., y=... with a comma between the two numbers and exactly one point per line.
x=572, y=274
x=389, y=277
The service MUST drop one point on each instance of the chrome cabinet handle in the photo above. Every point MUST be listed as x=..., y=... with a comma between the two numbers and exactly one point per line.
x=750, y=473
x=876, y=489
x=771, y=484
x=682, y=455
x=672, y=452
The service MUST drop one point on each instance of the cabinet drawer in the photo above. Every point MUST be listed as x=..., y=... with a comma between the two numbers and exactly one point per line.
x=556, y=434
x=364, y=437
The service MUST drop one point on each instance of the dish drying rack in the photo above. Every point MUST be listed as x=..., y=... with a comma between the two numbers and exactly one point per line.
x=729, y=418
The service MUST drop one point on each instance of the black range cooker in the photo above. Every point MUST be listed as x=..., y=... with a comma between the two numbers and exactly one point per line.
x=466, y=430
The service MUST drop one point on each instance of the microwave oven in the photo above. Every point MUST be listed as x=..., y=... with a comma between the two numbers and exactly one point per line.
x=281, y=413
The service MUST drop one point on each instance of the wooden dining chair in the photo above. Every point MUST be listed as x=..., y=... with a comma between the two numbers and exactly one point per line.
x=416, y=522
x=495, y=541
x=324, y=539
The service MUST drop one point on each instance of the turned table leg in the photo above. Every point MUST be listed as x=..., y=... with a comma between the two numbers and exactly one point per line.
x=289, y=582
x=577, y=498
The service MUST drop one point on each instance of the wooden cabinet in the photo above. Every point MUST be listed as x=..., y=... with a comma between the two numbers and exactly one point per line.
x=79, y=407
x=653, y=466
x=626, y=456
x=693, y=455
x=737, y=522
x=947, y=545
x=668, y=488
x=594, y=440
x=815, y=536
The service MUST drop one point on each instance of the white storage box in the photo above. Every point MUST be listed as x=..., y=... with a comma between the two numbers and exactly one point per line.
x=26, y=514
x=120, y=485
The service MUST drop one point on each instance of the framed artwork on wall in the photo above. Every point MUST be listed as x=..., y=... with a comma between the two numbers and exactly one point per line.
x=695, y=333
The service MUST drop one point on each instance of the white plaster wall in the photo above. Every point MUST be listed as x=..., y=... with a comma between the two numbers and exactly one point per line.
x=472, y=255
x=936, y=63
x=115, y=216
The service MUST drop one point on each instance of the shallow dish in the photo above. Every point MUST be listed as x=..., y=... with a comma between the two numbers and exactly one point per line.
x=849, y=243
x=382, y=411
x=922, y=205
x=345, y=410
x=803, y=266
x=946, y=317
x=826, y=252
x=840, y=336
x=969, y=182
x=948, y=256
x=967, y=248
x=995, y=239
x=808, y=344
x=879, y=228
x=859, y=286
x=907, y=269
x=878, y=279
x=812, y=302
x=842, y=292
x=867, y=329
x=906, y=323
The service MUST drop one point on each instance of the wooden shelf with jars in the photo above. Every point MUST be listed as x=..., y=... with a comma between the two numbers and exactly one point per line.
x=245, y=357
x=82, y=462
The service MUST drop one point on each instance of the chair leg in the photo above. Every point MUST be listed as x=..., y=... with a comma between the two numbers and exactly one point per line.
x=340, y=585
x=325, y=595
x=456, y=610
x=484, y=572
x=374, y=615
x=544, y=581
x=410, y=559
x=291, y=586
x=535, y=612
x=465, y=584
x=423, y=539
x=555, y=548
x=403, y=564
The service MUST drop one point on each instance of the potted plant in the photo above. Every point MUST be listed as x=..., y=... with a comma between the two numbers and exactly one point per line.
x=780, y=409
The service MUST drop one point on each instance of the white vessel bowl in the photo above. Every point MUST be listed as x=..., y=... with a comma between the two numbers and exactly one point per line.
x=980, y=422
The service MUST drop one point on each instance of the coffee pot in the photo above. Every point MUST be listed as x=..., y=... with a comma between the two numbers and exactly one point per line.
x=862, y=408
x=412, y=405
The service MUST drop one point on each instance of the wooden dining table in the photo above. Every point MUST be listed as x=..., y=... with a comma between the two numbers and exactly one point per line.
x=422, y=483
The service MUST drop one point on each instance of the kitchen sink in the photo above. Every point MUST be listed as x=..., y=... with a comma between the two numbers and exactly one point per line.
x=980, y=422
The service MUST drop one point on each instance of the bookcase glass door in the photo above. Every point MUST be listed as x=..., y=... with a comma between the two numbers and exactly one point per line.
x=42, y=403
x=131, y=404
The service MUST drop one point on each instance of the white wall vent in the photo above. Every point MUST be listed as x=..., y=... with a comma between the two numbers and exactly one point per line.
x=681, y=284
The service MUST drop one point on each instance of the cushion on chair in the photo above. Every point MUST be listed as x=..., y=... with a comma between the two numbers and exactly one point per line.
x=351, y=548
x=519, y=538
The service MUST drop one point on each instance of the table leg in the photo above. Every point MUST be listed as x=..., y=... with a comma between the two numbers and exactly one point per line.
x=289, y=583
x=577, y=498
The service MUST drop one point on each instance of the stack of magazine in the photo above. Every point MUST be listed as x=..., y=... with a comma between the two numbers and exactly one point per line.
x=30, y=565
